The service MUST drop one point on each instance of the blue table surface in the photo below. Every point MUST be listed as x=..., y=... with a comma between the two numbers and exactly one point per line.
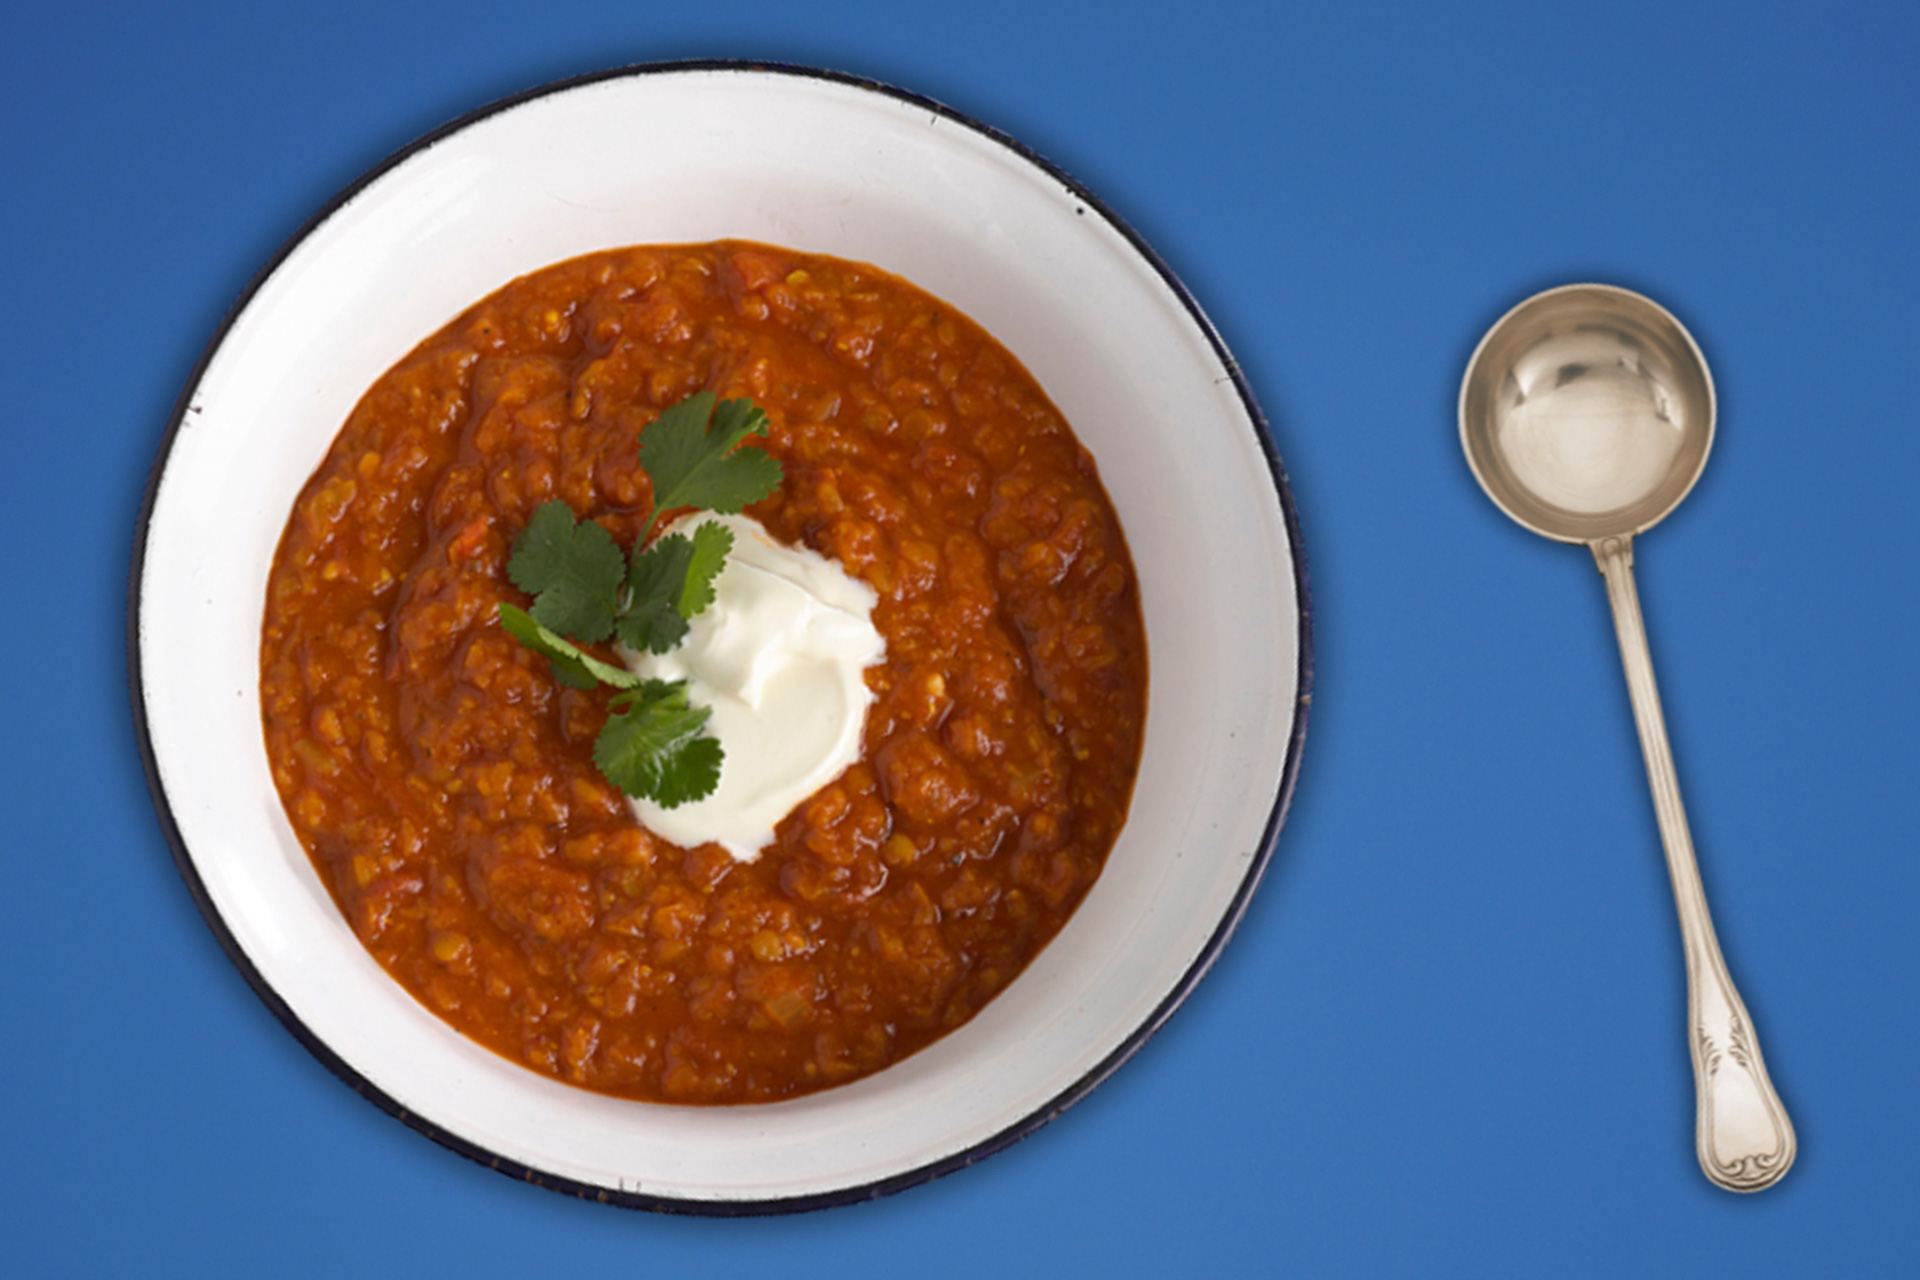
x=1448, y=1037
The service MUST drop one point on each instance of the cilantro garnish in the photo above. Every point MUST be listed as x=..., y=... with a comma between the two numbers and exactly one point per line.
x=693, y=463
x=573, y=572
x=652, y=745
x=584, y=592
x=571, y=664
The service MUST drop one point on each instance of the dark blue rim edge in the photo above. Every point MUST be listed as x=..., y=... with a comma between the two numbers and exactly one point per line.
x=664, y=1204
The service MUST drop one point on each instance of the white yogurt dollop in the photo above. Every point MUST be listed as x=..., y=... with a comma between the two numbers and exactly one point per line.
x=780, y=655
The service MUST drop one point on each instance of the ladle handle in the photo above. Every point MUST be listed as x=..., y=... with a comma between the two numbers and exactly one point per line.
x=1742, y=1132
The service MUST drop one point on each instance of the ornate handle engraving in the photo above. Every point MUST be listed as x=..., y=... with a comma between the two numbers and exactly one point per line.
x=1744, y=1138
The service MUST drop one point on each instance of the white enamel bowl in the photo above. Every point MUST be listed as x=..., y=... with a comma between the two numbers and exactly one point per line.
x=824, y=163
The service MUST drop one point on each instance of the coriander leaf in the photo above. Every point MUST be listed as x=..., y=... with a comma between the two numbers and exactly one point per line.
x=651, y=745
x=670, y=582
x=571, y=665
x=658, y=575
x=694, y=464
x=693, y=774
x=711, y=543
x=572, y=569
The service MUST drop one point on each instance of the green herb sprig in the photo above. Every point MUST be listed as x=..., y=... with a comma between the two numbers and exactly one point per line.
x=584, y=592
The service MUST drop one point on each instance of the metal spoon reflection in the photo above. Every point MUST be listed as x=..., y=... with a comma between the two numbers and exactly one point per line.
x=1586, y=414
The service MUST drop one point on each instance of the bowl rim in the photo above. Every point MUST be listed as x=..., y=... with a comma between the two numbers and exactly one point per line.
x=1041, y=1115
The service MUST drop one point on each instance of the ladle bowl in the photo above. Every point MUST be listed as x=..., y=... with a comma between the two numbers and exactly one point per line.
x=1587, y=413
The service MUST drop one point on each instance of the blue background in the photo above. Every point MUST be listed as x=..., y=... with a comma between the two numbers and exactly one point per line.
x=1448, y=1037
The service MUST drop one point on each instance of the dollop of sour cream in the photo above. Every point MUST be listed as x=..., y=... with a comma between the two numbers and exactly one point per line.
x=780, y=656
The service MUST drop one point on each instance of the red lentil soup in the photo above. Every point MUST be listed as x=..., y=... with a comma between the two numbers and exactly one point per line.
x=443, y=782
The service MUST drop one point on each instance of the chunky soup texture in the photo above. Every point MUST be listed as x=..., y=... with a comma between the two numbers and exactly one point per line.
x=443, y=782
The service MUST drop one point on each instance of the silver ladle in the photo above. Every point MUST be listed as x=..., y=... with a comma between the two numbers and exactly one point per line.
x=1586, y=414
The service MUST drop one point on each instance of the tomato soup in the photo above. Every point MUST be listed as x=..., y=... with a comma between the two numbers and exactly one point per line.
x=443, y=782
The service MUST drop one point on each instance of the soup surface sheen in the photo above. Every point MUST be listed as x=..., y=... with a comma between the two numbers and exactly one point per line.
x=443, y=782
